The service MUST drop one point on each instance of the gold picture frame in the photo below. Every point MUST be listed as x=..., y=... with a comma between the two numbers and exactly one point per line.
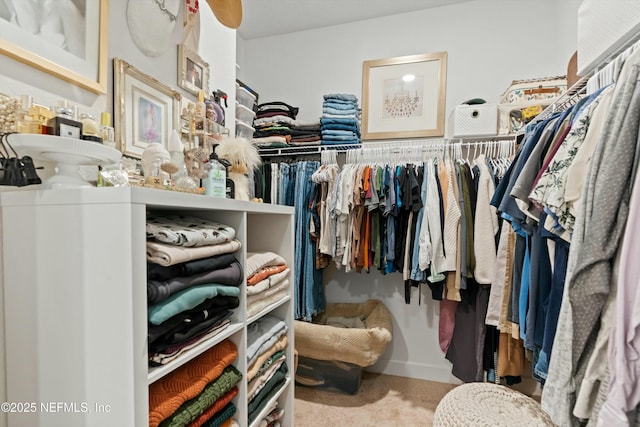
x=193, y=71
x=145, y=109
x=76, y=51
x=404, y=97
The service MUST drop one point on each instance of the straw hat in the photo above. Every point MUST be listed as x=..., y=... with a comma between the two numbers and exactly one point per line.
x=228, y=12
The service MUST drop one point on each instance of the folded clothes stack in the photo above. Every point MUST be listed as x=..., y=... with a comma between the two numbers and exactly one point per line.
x=267, y=367
x=193, y=280
x=273, y=123
x=198, y=393
x=340, y=122
x=267, y=280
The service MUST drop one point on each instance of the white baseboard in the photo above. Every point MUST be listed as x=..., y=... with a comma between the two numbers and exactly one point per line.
x=420, y=371
x=442, y=374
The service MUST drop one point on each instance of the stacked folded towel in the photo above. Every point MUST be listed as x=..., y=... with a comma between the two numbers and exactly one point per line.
x=340, y=122
x=193, y=280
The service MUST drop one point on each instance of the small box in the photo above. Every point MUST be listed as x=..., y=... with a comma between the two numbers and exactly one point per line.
x=244, y=97
x=243, y=130
x=244, y=114
x=329, y=374
x=474, y=120
x=63, y=126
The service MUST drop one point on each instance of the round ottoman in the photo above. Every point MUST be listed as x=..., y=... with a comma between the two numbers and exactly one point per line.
x=487, y=404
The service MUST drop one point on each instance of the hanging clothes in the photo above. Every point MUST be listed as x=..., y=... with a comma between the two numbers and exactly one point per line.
x=291, y=184
x=601, y=217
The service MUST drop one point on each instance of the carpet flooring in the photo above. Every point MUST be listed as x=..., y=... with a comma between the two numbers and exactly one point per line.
x=382, y=400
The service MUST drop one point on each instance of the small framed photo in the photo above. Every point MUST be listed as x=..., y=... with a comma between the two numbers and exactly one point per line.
x=404, y=97
x=146, y=111
x=193, y=72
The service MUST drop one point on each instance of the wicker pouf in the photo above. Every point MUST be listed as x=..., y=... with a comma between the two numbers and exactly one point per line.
x=487, y=404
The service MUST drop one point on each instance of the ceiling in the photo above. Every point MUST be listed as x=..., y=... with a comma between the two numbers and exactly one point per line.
x=263, y=18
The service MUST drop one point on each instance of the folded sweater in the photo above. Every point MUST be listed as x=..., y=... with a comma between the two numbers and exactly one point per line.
x=167, y=255
x=159, y=290
x=213, y=409
x=188, y=231
x=190, y=410
x=187, y=299
x=168, y=393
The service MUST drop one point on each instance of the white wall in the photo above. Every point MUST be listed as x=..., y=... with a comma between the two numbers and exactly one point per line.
x=489, y=44
x=217, y=47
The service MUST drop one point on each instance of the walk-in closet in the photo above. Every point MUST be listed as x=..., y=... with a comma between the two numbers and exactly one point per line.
x=293, y=213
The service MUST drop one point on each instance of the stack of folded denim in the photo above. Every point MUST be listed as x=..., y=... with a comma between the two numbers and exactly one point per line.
x=273, y=123
x=340, y=122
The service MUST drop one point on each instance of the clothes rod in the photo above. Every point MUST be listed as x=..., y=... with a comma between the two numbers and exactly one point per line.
x=344, y=148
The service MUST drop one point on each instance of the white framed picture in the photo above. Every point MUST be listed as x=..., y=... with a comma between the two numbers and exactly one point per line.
x=146, y=110
x=404, y=97
x=64, y=38
x=193, y=71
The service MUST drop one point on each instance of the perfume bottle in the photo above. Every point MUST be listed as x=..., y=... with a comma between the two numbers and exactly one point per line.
x=90, y=128
x=201, y=108
x=65, y=122
x=106, y=130
x=176, y=151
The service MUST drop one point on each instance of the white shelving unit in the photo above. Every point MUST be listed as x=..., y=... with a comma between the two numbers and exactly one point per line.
x=75, y=305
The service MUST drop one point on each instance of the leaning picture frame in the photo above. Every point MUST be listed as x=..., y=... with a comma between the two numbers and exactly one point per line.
x=404, y=97
x=193, y=71
x=71, y=42
x=145, y=110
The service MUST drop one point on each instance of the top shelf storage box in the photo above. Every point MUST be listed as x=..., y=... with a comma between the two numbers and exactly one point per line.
x=244, y=97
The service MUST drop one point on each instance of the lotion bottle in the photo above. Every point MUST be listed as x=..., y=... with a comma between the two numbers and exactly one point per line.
x=215, y=182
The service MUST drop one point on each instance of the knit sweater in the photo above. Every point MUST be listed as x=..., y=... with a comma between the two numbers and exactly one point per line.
x=213, y=409
x=168, y=393
x=259, y=260
x=190, y=410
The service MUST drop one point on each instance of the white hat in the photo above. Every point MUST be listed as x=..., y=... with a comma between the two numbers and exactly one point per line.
x=151, y=26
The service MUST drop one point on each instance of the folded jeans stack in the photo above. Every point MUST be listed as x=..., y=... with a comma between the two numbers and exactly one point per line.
x=340, y=122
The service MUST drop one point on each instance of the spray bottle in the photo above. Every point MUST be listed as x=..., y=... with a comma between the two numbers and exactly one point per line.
x=218, y=97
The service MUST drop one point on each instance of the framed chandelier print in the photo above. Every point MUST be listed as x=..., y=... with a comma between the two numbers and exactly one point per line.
x=404, y=97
